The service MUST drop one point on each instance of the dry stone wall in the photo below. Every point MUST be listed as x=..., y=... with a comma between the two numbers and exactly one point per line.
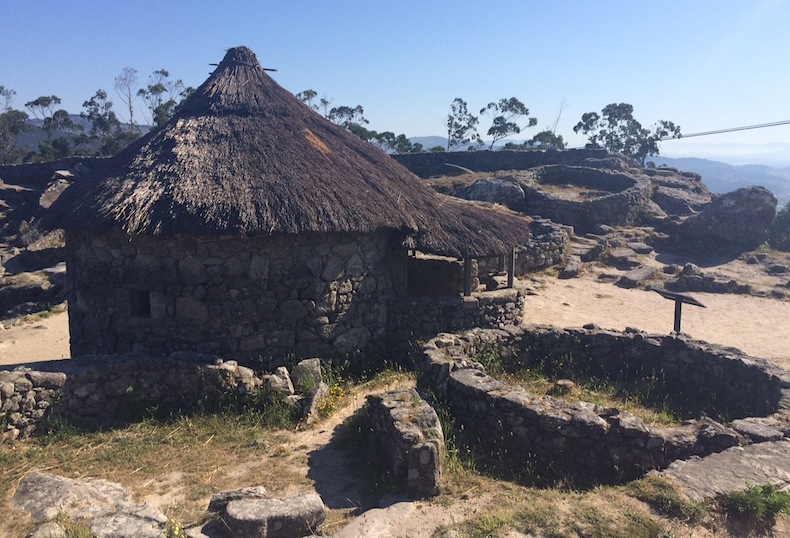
x=255, y=299
x=548, y=246
x=416, y=318
x=590, y=442
x=619, y=200
x=104, y=390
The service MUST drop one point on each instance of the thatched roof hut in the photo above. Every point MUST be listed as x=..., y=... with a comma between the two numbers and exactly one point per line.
x=243, y=156
x=251, y=227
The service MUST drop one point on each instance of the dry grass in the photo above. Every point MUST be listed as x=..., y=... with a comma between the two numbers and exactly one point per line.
x=180, y=463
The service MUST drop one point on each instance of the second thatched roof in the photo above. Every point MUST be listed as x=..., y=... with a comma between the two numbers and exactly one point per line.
x=243, y=156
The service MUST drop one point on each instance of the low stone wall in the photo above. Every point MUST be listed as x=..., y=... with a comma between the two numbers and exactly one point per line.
x=590, y=442
x=41, y=173
x=408, y=434
x=415, y=318
x=426, y=165
x=104, y=390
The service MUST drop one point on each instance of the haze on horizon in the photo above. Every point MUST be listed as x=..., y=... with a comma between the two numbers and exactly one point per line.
x=704, y=65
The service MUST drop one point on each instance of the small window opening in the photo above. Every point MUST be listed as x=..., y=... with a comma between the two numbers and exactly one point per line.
x=140, y=303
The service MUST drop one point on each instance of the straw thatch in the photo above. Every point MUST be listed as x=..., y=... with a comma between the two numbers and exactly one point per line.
x=243, y=156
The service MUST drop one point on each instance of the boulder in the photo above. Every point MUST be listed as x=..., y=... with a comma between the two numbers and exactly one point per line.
x=738, y=220
x=280, y=381
x=572, y=268
x=307, y=374
x=220, y=500
x=140, y=521
x=313, y=399
x=505, y=191
x=636, y=276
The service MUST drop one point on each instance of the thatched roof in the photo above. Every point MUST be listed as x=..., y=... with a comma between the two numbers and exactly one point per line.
x=243, y=156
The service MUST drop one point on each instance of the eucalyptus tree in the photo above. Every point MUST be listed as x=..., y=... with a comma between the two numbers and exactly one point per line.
x=461, y=125
x=505, y=115
x=616, y=130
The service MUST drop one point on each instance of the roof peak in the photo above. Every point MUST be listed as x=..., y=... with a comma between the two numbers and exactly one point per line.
x=240, y=56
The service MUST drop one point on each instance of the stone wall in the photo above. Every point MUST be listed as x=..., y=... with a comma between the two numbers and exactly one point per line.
x=252, y=299
x=619, y=199
x=590, y=442
x=426, y=165
x=416, y=318
x=409, y=437
x=548, y=246
x=106, y=390
x=41, y=173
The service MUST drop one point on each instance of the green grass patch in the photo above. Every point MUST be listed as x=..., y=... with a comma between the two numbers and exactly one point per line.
x=757, y=504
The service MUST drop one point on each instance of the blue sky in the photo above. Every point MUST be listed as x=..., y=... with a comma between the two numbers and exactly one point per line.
x=703, y=64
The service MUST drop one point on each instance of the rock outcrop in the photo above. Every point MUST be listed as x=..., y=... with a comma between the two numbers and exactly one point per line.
x=733, y=222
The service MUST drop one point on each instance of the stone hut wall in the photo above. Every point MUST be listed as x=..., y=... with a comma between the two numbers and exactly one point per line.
x=591, y=442
x=257, y=300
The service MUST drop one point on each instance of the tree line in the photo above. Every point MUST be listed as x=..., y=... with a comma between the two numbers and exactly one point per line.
x=102, y=133
x=614, y=128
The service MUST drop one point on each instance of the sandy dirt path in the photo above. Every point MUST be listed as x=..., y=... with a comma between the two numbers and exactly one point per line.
x=41, y=339
x=756, y=325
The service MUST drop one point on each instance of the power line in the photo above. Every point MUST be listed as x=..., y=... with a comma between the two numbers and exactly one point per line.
x=730, y=130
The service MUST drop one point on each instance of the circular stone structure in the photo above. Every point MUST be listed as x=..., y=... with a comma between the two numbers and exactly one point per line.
x=591, y=444
x=583, y=197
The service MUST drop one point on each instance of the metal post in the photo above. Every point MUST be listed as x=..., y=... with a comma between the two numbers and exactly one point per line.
x=678, y=306
x=467, y=277
x=679, y=299
x=511, y=268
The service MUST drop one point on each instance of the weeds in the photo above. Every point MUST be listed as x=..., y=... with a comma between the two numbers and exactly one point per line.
x=271, y=410
x=73, y=529
x=757, y=504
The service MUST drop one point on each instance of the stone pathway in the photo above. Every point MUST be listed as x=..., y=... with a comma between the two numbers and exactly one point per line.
x=732, y=470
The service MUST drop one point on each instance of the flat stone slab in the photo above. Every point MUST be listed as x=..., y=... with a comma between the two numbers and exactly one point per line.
x=623, y=257
x=732, y=470
x=640, y=248
x=636, y=276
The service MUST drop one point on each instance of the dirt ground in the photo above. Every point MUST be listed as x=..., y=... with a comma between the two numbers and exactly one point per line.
x=36, y=339
x=756, y=325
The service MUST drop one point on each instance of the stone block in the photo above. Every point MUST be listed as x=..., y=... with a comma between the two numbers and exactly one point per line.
x=273, y=518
